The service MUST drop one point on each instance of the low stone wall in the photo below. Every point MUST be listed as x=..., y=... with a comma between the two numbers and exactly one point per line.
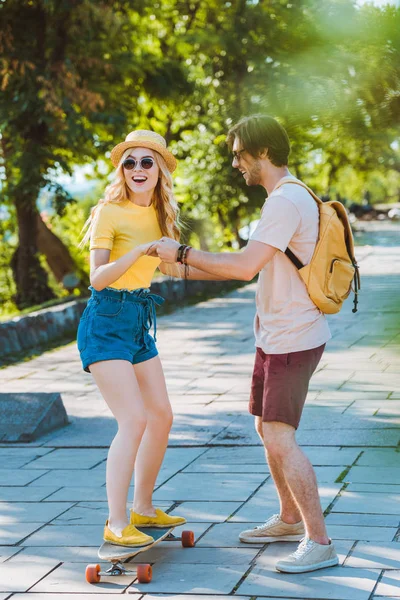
x=33, y=332
x=24, y=334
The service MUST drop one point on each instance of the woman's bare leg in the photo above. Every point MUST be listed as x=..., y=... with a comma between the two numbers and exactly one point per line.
x=154, y=442
x=119, y=387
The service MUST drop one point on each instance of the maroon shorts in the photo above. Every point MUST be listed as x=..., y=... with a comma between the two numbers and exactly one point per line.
x=280, y=384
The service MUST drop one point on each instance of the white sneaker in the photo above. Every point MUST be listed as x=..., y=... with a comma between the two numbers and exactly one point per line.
x=273, y=530
x=309, y=556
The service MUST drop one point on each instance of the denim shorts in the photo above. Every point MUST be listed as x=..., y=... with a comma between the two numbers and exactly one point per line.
x=115, y=326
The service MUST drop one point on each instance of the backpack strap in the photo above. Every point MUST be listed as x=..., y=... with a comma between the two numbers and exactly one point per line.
x=285, y=180
x=296, y=261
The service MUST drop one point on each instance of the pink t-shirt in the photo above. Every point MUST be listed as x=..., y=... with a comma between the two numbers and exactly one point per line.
x=287, y=320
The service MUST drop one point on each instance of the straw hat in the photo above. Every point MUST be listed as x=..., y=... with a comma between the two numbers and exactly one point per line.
x=141, y=138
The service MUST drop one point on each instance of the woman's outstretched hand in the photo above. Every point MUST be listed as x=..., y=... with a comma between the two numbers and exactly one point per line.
x=150, y=249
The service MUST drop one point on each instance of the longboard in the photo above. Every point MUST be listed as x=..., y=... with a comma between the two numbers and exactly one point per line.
x=118, y=554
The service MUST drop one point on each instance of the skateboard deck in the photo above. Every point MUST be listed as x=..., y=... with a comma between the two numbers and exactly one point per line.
x=117, y=555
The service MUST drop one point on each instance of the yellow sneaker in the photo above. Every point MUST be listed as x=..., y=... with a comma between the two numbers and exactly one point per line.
x=160, y=520
x=130, y=537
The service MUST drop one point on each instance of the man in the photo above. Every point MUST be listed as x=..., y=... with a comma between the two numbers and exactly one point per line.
x=290, y=334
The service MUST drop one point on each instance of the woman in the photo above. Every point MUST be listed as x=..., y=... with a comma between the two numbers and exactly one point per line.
x=113, y=334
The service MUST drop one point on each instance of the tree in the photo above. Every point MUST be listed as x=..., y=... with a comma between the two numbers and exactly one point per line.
x=70, y=73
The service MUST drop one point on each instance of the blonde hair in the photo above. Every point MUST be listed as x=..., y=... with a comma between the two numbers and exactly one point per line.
x=163, y=199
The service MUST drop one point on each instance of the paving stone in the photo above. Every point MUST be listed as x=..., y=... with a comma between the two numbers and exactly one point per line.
x=78, y=494
x=7, y=552
x=377, y=488
x=226, y=535
x=366, y=520
x=189, y=579
x=69, y=459
x=357, y=532
x=211, y=486
x=384, y=504
x=14, y=458
x=206, y=511
x=11, y=534
x=375, y=555
x=77, y=596
x=331, y=456
x=169, y=553
x=19, y=477
x=70, y=578
x=208, y=467
x=350, y=437
x=178, y=458
x=66, y=535
x=389, y=585
x=26, y=494
x=246, y=455
x=15, y=579
x=265, y=502
x=29, y=512
x=88, y=433
x=69, y=554
x=378, y=474
x=178, y=597
x=339, y=583
x=73, y=477
x=80, y=515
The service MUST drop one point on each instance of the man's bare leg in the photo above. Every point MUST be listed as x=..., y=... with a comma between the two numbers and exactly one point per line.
x=289, y=511
x=298, y=475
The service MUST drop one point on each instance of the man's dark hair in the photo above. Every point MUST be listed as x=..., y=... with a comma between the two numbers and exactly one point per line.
x=259, y=133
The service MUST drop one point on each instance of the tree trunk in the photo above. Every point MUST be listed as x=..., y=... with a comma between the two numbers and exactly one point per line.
x=58, y=257
x=30, y=278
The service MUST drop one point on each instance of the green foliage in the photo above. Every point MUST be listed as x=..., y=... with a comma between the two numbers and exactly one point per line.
x=68, y=228
x=8, y=242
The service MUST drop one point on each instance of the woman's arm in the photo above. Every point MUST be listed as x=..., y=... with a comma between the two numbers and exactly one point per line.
x=178, y=271
x=104, y=273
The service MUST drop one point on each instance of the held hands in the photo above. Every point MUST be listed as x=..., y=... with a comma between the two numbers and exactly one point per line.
x=165, y=248
x=149, y=249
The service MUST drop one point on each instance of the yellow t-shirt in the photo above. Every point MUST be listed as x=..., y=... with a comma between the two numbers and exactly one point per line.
x=120, y=227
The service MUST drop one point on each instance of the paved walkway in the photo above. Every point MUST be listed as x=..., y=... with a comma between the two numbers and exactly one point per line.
x=52, y=494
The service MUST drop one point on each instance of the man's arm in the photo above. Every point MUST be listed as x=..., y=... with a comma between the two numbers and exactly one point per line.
x=243, y=265
x=178, y=271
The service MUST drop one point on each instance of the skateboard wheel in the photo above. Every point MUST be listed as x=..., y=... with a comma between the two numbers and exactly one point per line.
x=187, y=538
x=144, y=573
x=92, y=573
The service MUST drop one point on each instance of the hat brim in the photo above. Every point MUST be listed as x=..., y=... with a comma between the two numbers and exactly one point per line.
x=117, y=152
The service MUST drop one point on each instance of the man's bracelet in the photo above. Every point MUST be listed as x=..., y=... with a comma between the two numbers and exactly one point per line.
x=181, y=256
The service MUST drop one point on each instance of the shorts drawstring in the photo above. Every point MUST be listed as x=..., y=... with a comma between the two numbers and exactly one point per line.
x=149, y=312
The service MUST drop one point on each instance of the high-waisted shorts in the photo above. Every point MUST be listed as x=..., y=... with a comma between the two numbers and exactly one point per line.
x=115, y=326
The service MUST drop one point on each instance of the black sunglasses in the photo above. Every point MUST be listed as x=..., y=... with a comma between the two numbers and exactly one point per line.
x=130, y=163
x=236, y=154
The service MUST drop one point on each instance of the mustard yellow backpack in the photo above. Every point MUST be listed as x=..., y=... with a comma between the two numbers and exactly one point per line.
x=333, y=266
